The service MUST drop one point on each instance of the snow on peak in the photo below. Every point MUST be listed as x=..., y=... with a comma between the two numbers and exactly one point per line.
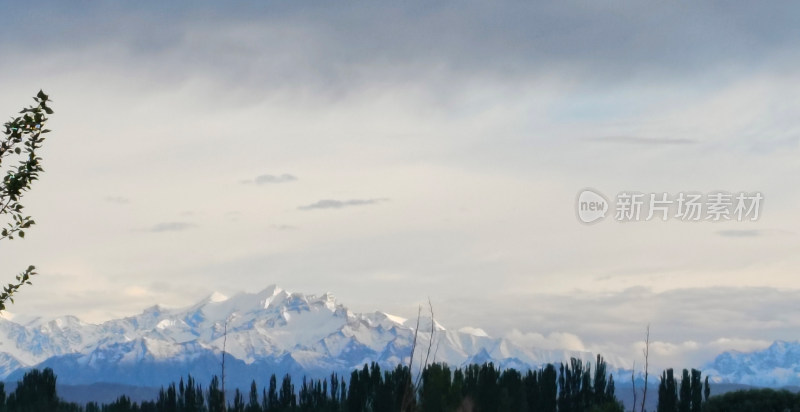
x=164, y=324
x=270, y=294
x=217, y=297
x=773, y=366
x=424, y=324
x=473, y=331
x=270, y=327
x=271, y=290
x=396, y=319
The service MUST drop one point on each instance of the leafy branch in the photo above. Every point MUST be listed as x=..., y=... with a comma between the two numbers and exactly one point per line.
x=8, y=291
x=22, y=137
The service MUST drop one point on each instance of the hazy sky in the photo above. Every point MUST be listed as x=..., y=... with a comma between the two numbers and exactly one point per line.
x=390, y=152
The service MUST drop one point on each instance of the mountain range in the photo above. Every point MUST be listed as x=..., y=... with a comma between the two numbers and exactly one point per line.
x=272, y=331
x=277, y=332
x=776, y=366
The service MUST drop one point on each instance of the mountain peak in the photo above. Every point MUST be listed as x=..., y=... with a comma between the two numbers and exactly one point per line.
x=396, y=319
x=271, y=290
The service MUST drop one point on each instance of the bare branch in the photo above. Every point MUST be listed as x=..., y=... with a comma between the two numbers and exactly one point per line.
x=408, y=391
x=633, y=385
x=224, y=344
x=646, y=352
x=424, y=364
x=411, y=389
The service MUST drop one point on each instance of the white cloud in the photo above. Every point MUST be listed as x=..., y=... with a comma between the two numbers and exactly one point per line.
x=136, y=291
x=171, y=227
x=551, y=341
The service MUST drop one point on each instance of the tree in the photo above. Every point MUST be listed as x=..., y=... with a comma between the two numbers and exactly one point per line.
x=253, y=405
x=753, y=400
x=685, y=402
x=286, y=398
x=216, y=402
x=272, y=398
x=238, y=402
x=667, y=392
x=23, y=135
x=686, y=397
x=697, y=391
x=36, y=392
x=435, y=387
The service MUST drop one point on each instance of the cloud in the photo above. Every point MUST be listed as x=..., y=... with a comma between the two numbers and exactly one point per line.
x=339, y=204
x=739, y=344
x=652, y=141
x=691, y=353
x=354, y=45
x=689, y=327
x=740, y=233
x=666, y=353
x=136, y=291
x=171, y=227
x=552, y=341
x=751, y=232
x=283, y=227
x=118, y=200
x=270, y=179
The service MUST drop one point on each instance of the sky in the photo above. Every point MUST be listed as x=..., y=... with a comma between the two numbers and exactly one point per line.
x=399, y=151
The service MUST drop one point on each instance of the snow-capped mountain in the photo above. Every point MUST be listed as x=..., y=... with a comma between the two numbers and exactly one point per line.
x=776, y=366
x=273, y=331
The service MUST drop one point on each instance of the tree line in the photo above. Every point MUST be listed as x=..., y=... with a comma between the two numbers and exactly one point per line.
x=684, y=396
x=569, y=387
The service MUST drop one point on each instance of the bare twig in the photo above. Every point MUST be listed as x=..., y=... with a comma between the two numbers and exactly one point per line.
x=424, y=364
x=224, y=344
x=411, y=389
x=408, y=391
x=646, y=352
x=633, y=385
x=414, y=343
x=435, y=351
